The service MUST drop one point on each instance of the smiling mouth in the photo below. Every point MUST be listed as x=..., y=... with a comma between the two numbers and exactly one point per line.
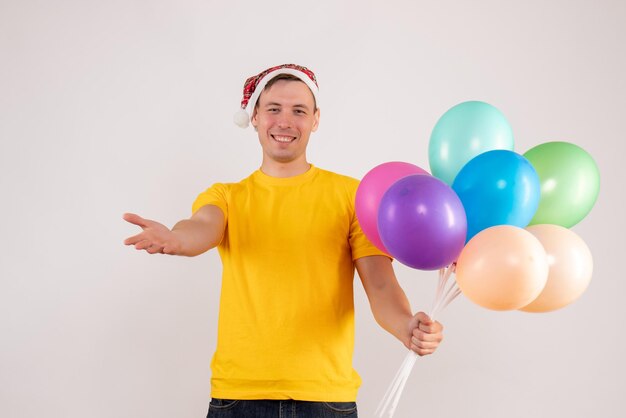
x=283, y=139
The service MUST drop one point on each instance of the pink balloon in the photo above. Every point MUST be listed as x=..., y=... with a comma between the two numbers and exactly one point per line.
x=371, y=191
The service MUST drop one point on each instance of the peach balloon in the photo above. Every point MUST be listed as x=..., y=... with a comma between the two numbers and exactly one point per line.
x=570, y=267
x=502, y=268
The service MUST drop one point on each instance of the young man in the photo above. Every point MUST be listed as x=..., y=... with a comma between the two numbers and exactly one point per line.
x=289, y=241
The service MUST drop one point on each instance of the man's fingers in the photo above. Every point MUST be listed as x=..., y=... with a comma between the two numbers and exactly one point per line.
x=422, y=318
x=143, y=245
x=430, y=327
x=135, y=220
x=154, y=249
x=168, y=249
x=149, y=247
x=134, y=239
x=427, y=337
x=426, y=345
x=422, y=351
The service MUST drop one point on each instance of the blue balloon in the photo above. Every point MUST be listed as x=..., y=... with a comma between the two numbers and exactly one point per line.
x=497, y=187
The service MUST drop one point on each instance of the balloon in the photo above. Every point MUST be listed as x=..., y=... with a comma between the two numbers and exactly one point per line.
x=497, y=188
x=502, y=268
x=570, y=182
x=371, y=191
x=422, y=222
x=570, y=267
x=463, y=132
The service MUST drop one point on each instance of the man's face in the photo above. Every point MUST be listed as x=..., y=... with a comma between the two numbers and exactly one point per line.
x=284, y=120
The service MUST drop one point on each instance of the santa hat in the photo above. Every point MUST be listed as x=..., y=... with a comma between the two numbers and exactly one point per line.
x=254, y=85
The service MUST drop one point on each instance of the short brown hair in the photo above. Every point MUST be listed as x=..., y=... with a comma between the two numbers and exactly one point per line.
x=286, y=77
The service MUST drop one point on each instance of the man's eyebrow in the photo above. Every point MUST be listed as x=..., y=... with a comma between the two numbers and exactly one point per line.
x=303, y=106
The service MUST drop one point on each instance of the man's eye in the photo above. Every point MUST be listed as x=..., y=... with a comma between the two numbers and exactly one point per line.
x=272, y=109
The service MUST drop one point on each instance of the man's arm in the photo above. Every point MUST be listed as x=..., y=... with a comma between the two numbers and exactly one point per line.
x=188, y=237
x=391, y=308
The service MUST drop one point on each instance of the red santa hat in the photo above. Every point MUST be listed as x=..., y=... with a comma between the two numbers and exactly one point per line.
x=254, y=85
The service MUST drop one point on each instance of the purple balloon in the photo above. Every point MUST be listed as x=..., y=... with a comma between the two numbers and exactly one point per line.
x=422, y=222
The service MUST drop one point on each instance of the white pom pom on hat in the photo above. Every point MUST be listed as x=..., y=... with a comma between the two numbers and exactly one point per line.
x=254, y=85
x=242, y=119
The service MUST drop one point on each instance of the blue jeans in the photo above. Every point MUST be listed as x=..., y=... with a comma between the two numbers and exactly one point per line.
x=225, y=408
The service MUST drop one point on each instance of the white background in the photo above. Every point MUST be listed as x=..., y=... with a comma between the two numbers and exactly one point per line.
x=108, y=107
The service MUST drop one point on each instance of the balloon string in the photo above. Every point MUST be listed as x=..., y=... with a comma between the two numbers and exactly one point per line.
x=450, y=293
x=442, y=291
x=397, y=385
x=450, y=298
x=445, y=294
x=385, y=401
x=440, y=286
x=403, y=383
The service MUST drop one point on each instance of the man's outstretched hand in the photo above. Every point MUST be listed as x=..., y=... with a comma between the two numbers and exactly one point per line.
x=155, y=237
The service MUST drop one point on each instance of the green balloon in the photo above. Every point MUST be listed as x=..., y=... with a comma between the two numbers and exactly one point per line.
x=463, y=132
x=570, y=182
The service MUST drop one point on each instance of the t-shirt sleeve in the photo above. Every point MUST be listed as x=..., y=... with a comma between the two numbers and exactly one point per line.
x=359, y=243
x=216, y=195
x=361, y=246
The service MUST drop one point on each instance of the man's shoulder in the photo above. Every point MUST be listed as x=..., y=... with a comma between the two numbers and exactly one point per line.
x=340, y=178
x=245, y=182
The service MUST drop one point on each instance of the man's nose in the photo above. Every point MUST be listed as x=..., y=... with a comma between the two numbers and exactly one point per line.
x=285, y=121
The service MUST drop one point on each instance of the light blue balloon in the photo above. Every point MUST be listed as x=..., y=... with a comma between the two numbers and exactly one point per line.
x=463, y=132
x=497, y=187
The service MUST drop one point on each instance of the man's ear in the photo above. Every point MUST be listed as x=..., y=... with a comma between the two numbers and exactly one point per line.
x=253, y=120
x=316, y=122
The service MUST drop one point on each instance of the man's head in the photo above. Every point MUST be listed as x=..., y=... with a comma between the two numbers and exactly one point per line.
x=284, y=117
x=255, y=85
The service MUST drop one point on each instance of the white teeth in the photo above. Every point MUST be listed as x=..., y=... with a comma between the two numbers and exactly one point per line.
x=283, y=138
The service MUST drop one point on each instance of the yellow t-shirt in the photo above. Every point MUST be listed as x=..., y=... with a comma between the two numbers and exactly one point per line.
x=286, y=318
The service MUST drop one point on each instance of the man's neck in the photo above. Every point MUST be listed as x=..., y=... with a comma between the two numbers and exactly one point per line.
x=291, y=169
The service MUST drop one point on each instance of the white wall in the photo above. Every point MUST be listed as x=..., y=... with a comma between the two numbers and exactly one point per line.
x=108, y=107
